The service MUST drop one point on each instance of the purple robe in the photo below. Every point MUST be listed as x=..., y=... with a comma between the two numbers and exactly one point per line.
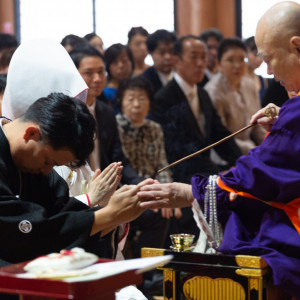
x=270, y=172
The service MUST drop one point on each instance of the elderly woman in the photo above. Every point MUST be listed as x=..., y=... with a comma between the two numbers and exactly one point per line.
x=143, y=143
x=142, y=139
x=234, y=95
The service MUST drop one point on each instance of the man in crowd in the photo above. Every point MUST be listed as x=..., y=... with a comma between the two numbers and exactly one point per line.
x=188, y=117
x=108, y=147
x=263, y=218
x=7, y=42
x=189, y=120
x=160, y=46
x=212, y=38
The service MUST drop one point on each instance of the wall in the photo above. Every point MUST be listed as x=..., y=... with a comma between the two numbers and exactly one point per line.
x=194, y=16
x=7, y=16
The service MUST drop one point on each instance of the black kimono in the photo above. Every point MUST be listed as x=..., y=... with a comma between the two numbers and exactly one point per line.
x=38, y=217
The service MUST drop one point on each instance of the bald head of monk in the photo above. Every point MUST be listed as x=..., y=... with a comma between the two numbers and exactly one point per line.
x=278, y=42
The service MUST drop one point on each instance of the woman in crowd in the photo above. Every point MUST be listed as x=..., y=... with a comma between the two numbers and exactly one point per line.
x=143, y=143
x=137, y=37
x=119, y=65
x=95, y=40
x=254, y=62
x=234, y=95
x=142, y=139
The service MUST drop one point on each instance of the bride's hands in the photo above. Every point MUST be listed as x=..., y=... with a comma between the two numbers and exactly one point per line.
x=103, y=184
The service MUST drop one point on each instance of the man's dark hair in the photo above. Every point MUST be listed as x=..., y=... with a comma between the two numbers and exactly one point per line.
x=160, y=36
x=132, y=83
x=7, y=41
x=211, y=32
x=3, y=79
x=178, y=45
x=65, y=122
x=230, y=43
x=111, y=54
x=72, y=40
x=84, y=50
x=250, y=44
x=6, y=57
x=137, y=30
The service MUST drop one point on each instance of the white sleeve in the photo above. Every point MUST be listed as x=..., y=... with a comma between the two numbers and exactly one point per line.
x=83, y=198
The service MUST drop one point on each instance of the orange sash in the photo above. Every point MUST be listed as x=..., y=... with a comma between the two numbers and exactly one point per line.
x=292, y=208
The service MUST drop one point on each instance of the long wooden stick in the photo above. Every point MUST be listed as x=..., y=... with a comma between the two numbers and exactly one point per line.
x=269, y=112
x=206, y=148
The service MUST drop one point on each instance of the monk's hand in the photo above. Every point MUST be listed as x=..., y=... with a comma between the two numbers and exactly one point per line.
x=166, y=195
x=262, y=119
x=103, y=184
x=125, y=204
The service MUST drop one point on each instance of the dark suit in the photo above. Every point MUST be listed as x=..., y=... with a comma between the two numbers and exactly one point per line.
x=183, y=136
x=275, y=93
x=110, y=144
x=204, y=81
x=151, y=75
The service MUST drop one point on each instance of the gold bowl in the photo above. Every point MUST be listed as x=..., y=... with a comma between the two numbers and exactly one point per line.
x=182, y=241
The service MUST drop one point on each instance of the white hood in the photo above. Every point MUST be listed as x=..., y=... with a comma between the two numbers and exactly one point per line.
x=39, y=67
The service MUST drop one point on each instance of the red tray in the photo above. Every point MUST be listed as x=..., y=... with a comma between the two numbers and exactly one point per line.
x=103, y=288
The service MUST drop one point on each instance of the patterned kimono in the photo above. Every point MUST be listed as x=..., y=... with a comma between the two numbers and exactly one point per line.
x=270, y=173
x=145, y=148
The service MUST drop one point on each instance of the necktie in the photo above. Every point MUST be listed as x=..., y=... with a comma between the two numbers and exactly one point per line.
x=195, y=107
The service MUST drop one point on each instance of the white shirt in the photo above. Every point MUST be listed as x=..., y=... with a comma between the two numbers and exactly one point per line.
x=165, y=78
x=95, y=155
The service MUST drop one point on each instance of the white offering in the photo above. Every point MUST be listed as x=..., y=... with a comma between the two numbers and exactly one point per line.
x=66, y=260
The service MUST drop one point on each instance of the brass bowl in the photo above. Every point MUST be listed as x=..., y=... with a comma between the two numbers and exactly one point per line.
x=182, y=241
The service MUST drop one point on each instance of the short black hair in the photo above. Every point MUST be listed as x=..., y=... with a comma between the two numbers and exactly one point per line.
x=112, y=53
x=72, y=40
x=211, y=32
x=65, y=122
x=90, y=36
x=83, y=50
x=6, y=57
x=230, y=43
x=137, y=30
x=159, y=36
x=3, y=79
x=7, y=41
x=178, y=45
x=250, y=44
x=132, y=83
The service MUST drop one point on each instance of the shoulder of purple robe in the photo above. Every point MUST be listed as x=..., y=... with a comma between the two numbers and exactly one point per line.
x=271, y=171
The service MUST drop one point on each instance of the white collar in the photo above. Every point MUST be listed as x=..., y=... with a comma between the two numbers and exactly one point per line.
x=165, y=78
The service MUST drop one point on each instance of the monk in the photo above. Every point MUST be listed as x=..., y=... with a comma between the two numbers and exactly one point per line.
x=263, y=216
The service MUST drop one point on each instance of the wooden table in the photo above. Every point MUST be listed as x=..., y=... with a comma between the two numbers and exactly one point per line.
x=197, y=276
